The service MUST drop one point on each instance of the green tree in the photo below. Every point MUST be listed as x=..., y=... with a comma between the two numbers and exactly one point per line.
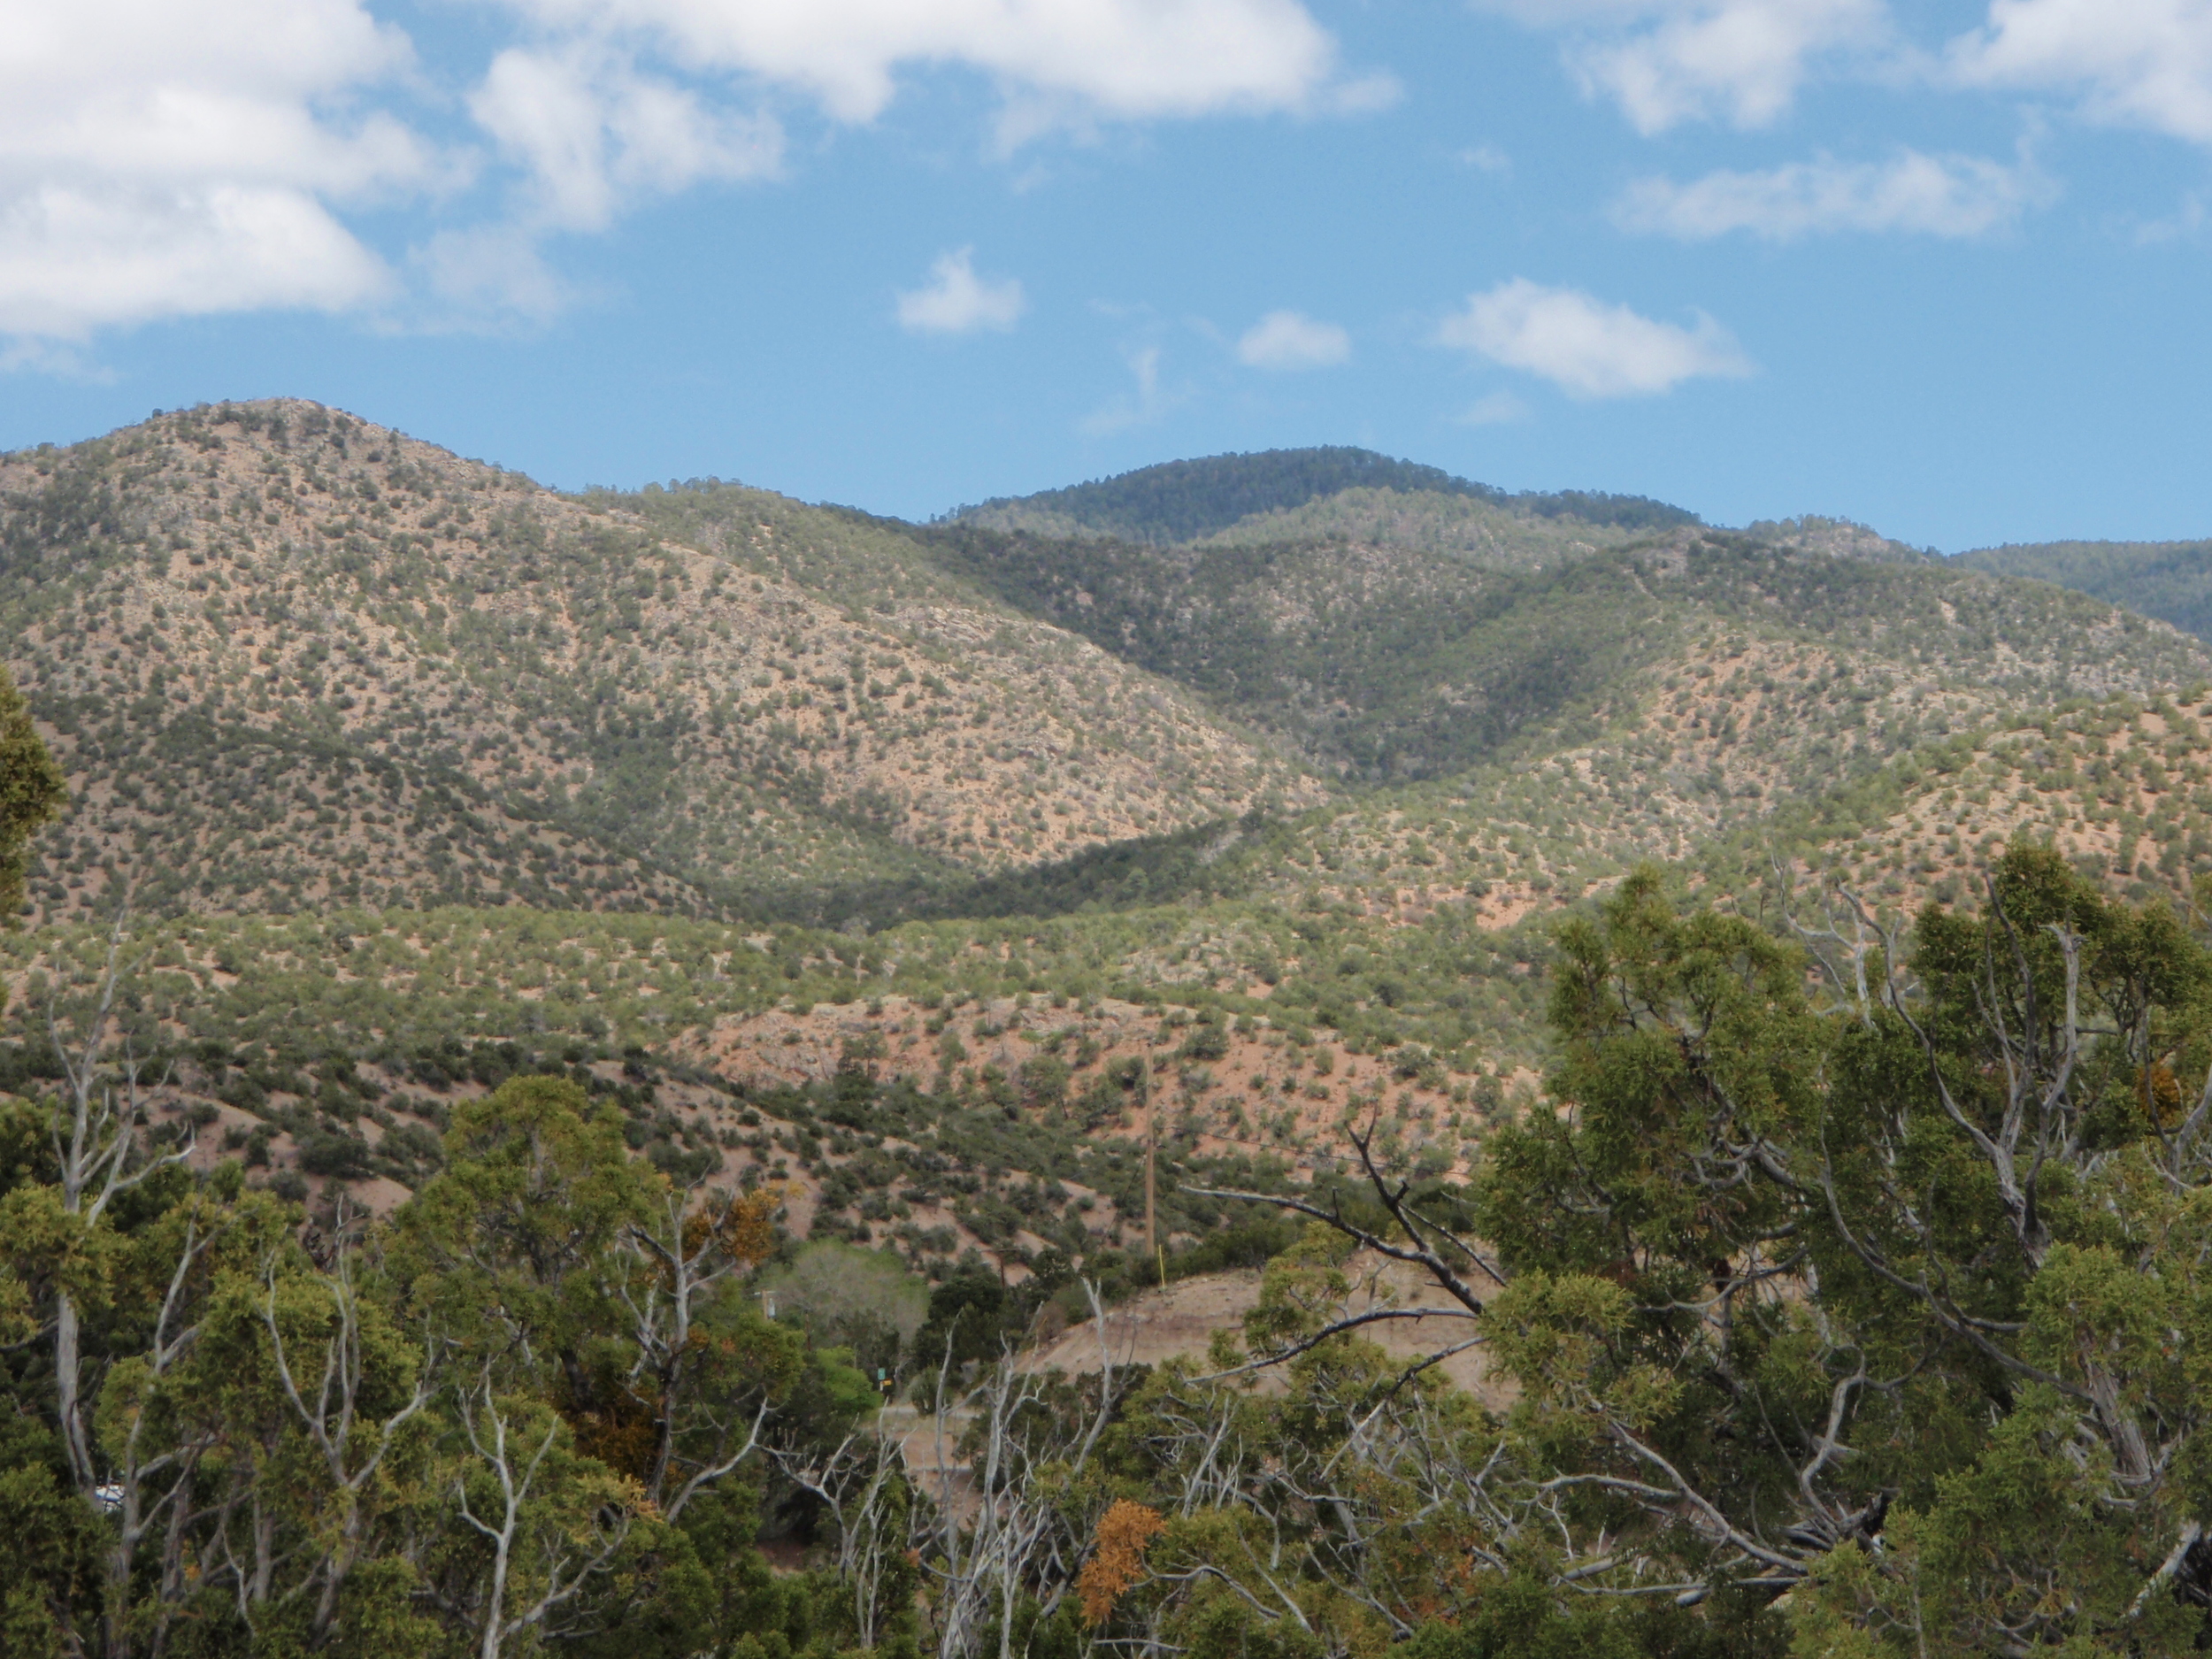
x=1892, y=1296
x=33, y=793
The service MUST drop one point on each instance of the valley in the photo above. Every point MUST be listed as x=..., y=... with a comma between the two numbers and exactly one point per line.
x=1193, y=986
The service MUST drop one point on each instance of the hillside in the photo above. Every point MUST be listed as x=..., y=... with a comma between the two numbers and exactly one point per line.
x=401, y=751
x=684, y=1008
x=1389, y=662
x=2171, y=581
x=927, y=1177
x=1425, y=522
x=289, y=659
x=1383, y=958
x=293, y=661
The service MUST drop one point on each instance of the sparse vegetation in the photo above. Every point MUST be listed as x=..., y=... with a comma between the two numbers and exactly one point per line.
x=690, y=1009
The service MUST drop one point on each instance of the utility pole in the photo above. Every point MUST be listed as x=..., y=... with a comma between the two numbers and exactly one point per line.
x=1151, y=1195
x=1151, y=1189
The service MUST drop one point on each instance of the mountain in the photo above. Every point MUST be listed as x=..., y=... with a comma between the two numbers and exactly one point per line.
x=1188, y=501
x=292, y=659
x=733, y=962
x=1384, y=660
x=2171, y=581
x=925, y=870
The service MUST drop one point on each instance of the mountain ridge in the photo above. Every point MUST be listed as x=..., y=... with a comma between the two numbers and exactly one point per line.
x=295, y=661
x=226, y=598
x=1173, y=502
x=407, y=750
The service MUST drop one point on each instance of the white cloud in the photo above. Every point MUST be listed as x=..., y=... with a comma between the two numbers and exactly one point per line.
x=1668, y=61
x=1587, y=348
x=955, y=301
x=74, y=260
x=160, y=160
x=1485, y=158
x=1935, y=196
x=1493, y=409
x=1129, y=59
x=1146, y=404
x=1291, y=340
x=490, y=276
x=2185, y=223
x=71, y=260
x=595, y=134
x=2139, y=63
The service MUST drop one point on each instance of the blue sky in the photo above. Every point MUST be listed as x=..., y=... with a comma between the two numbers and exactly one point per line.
x=1939, y=268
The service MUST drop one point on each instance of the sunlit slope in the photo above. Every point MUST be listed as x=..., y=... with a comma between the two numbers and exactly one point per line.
x=1383, y=959
x=292, y=659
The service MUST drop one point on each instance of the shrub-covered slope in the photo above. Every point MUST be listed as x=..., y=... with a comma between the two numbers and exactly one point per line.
x=291, y=659
x=1393, y=662
x=328, y=696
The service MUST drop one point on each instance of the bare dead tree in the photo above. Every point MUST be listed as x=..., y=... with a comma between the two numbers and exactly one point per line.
x=982, y=1549
x=149, y=1484
x=95, y=1134
x=1424, y=1242
x=687, y=1250
x=352, y=1452
x=863, y=1483
x=566, y=1565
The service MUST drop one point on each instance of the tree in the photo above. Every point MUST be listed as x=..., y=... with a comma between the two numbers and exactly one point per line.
x=1895, y=1297
x=33, y=793
x=128, y=1451
x=609, y=1373
x=504, y=1250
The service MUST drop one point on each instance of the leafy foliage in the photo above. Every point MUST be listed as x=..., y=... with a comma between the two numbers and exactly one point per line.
x=33, y=793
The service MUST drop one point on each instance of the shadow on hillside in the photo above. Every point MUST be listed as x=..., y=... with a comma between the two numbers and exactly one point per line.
x=1185, y=866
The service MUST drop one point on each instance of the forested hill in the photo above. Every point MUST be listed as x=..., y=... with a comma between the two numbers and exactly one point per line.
x=2171, y=581
x=1187, y=500
x=617, y=986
